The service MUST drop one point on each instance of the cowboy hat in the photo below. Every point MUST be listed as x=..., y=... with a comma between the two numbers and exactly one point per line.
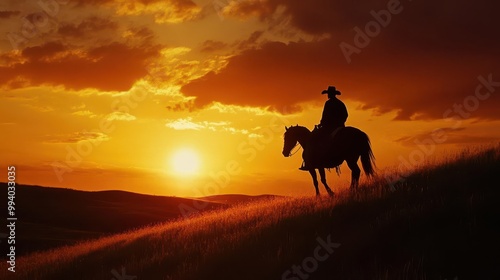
x=331, y=89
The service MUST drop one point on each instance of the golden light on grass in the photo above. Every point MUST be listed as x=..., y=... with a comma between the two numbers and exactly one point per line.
x=276, y=232
x=185, y=162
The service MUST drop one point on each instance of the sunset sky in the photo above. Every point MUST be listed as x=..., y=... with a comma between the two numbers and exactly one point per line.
x=114, y=94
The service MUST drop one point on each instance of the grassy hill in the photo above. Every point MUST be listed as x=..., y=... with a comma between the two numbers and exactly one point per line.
x=234, y=199
x=53, y=217
x=441, y=222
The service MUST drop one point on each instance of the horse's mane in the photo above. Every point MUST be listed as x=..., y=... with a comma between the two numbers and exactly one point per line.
x=299, y=128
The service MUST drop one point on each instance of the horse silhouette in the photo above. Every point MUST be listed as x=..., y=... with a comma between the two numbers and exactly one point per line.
x=349, y=144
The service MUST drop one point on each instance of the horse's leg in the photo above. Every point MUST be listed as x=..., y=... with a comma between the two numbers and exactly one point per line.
x=323, y=181
x=355, y=172
x=315, y=180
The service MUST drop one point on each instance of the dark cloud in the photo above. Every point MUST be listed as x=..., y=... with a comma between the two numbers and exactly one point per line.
x=425, y=22
x=280, y=75
x=251, y=42
x=445, y=135
x=263, y=77
x=423, y=63
x=210, y=46
x=8, y=14
x=113, y=67
x=88, y=26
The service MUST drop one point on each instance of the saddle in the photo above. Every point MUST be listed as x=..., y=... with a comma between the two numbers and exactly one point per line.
x=323, y=152
x=334, y=133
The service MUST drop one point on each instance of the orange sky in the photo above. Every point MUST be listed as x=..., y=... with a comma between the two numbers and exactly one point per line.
x=102, y=94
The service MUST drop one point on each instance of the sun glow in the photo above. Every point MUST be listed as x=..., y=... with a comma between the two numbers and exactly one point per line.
x=185, y=162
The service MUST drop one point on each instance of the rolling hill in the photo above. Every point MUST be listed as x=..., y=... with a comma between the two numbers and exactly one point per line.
x=53, y=217
x=440, y=222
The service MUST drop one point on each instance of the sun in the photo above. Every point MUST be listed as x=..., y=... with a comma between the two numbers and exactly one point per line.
x=185, y=162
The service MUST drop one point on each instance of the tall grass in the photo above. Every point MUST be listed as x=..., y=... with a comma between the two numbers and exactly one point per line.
x=440, y=222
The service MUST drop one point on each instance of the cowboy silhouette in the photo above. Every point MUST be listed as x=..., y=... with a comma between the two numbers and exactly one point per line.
x=333, y=118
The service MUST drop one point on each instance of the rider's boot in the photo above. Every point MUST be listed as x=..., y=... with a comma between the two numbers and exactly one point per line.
x=305, y=163
x=303, y=167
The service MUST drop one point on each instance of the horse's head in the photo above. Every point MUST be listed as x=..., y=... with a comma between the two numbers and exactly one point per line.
x=290, y=138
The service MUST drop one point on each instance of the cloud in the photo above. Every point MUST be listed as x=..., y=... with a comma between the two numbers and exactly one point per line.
x=88, y=26
x=277, y=75
x=210, y=46
x=39, y=108
x=247, y=8
x=8, y=14
x=111, y=67
x=425, y=61
x=235, y=109
x=170, y=11
x=446, y=135
x=173, y=11
x=222, y=126
x=120, y=116
x=76, y=137
x=174, y=67
x=85, y=113
x=189, y=124
x=251, y=42
x=183, y=124
x=458, y=20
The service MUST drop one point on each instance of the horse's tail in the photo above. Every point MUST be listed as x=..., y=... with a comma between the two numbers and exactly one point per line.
x=367, y=157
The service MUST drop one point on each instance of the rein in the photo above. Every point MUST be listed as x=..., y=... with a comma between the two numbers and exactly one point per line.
x=291, y=154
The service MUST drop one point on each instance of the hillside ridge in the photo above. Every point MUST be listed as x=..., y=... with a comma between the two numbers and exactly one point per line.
x=438, y=223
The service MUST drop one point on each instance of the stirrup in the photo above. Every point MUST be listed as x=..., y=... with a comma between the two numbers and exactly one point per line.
x=303, y=167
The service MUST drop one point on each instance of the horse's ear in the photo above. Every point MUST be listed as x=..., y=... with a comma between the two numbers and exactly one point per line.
x=286, y=128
